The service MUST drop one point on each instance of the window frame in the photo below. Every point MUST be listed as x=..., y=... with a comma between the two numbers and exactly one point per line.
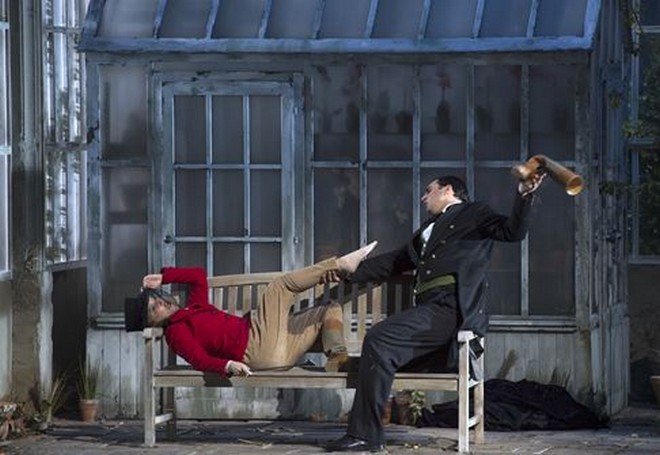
x=5, y=152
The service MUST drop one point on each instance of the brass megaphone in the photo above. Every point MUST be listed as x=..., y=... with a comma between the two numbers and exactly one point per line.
x=571, y=181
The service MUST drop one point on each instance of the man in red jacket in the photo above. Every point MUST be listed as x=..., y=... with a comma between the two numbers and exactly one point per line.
x=269, y=337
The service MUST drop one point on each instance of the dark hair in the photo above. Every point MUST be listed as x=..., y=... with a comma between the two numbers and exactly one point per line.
x=457, y=184
x=136, y=310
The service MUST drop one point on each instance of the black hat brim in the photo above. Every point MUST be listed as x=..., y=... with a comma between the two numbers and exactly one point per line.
x=135, y=313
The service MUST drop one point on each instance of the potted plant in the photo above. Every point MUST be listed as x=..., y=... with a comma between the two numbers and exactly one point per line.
x=88, y=381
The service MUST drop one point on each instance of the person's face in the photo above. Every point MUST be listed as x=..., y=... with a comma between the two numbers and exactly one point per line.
x=436, y=197
x=159, y=310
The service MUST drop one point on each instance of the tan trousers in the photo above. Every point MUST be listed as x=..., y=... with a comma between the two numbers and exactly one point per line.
x=279, y=339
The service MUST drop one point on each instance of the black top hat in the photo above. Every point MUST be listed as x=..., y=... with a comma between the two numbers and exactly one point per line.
x=135, y=311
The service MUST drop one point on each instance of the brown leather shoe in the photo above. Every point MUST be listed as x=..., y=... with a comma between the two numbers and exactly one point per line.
x=337, y=362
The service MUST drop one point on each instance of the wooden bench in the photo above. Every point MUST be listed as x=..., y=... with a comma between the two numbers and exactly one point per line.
x=362, y=306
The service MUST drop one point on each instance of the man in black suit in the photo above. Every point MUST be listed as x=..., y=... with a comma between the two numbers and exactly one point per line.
x=450, y=253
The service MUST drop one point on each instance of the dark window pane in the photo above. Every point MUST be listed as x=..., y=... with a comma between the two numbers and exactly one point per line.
x=128, y=19
x=496, y=187
x=650, y=12
x=228, y=258
x=497, y=112
x=266, y=204
x=190, y=203
x=444, y=105
x=191, y=255
x=505, y=18
x=238, y=19
x=228, y=200
x=189, y=129
x=397, y=19
x=551, y=255
x=336, y=212
x=552, y=111
x=336, y=113
x=265, y=129
x=337, y=24
x=451, y=19
x=185, y=19
x=649, y=203
x=389, y=97
x=292, y=19
x=560, y=18
x=649, y=67
x=265, y=257
x=389, y=208
x=227, y=140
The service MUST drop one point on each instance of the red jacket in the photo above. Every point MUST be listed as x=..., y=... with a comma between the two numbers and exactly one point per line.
x=206, y=337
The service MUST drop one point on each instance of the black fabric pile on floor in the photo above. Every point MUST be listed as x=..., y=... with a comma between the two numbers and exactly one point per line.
x=518, y=406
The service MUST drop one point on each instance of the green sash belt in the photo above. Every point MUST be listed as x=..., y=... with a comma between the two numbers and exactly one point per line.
x=442, y=280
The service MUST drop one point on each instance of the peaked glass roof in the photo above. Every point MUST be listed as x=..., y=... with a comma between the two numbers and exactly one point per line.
x=300, y=26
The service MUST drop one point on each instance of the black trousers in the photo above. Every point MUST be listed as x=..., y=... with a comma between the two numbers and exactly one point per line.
x=391, y=344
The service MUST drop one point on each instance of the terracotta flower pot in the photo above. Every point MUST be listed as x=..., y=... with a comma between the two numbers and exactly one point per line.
x=88, y=410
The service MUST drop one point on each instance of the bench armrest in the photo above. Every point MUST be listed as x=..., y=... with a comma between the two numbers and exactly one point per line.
x=466, y=335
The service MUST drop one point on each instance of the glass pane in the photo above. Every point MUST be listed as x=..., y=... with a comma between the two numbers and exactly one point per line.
x=228, y=258
x=185, y=19
x=266, y=203
x=497, y=113
x=124, y=119
x=4, y=212
x=128, y=19
x=505, y=18
x=238, y=19
x=451, y=19
x=497, y=188
x=649, y=12
x=389, y=219
x=190, y=203
x=124, y=227
x=337, y=24
x=389, y=97
x=336, y=212
x=189, y=129
x=76, y=96
x=444, y=104
x=336, y=113
x=292, y=19
x=649, y=68
x=227, y=140
x=649, y=203
x=397, y=19
x=4, y=91
x=551, y=254
x=190, y=255
x=228, y=201
x=560, y=18
x=265, y=257
x=552, y=111
x=265, y=130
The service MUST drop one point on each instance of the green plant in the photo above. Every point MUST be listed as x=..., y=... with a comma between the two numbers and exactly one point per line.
x=54, y=400
x=88, y=380
x=417, y=402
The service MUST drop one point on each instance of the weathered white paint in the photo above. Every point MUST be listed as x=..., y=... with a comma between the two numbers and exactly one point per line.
x=5, y=337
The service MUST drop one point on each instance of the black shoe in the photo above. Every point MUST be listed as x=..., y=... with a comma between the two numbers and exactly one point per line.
x=352, y=444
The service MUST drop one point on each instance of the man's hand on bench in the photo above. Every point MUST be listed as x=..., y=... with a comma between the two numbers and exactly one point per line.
x=234, y=368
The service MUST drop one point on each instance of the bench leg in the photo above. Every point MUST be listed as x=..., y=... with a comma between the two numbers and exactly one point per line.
x=170, y=428
x=149, y=395
x=479, y=413
x=463, y=399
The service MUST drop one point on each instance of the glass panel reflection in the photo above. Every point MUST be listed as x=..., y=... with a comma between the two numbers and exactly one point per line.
x=128, y=19
x=238, y=19
x=497, y=112
x=228, y=200
x=336, y=212
x=265, y=203
x=389, y=211
x=191, y=255
x=189, y=129
x=390, y=118
x=552, y=111
x=185, y=19
x=227, y=140
x=505, y=18
x=292, y=19
x=336, y=113
x=397, y=19
x=443, y=117
x=451, y=19
x=265, y=257
x=560, y=18
x=190, y=200
x=335, y=23
x=265, y=129
x=228, y=258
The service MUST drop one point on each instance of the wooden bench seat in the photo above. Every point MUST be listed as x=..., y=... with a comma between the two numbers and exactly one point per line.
x=362, y=306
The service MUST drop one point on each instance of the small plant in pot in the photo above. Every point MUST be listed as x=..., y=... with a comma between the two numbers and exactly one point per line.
x=88, y=381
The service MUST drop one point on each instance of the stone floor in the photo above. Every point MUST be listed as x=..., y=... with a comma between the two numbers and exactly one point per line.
x=636, y=430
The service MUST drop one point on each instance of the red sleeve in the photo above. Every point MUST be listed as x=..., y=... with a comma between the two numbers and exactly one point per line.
x=194, y=277
x=184, y=344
